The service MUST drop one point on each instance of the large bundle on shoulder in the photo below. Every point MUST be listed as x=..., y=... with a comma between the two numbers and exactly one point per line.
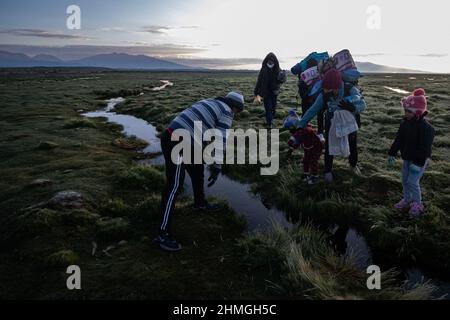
x=311, y=60
x=343, y=62
x=308, y=72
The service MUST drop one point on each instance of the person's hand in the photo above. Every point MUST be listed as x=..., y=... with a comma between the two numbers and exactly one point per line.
x=391, y=161
x=215, y=170
x=345, y=105
x=415, y=169
x=257, y=100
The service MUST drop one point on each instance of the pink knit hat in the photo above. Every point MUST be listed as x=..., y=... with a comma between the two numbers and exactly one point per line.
x=416, y=103
x=332, y=80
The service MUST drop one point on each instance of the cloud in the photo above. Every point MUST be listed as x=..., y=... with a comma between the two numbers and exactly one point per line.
x=433, y=55
x=365, y=55
x=74, y=52
x=41, y=34
x=216, y=63
x=113, y=29
x=164, y=29
x=155, y=29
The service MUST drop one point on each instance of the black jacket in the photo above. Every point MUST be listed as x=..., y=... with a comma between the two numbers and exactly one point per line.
x=268, y=83
x=414, y=140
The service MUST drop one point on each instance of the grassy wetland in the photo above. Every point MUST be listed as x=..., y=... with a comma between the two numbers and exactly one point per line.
x=107, y=225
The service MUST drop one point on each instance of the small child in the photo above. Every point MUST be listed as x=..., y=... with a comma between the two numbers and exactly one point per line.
x=414, y=141
x=310, y=142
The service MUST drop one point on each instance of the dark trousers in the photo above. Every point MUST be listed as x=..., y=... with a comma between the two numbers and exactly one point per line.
x=175, y=174
x=311, y=159
x=352, y=141
x=270, y=105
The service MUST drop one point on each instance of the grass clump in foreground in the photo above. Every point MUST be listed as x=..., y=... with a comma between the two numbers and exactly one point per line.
x=301, y=264
x=121, y=200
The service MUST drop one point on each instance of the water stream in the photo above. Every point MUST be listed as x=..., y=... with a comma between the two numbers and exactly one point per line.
x=242, y=200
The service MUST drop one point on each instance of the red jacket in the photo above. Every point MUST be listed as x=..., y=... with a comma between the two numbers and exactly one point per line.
x=305, y=138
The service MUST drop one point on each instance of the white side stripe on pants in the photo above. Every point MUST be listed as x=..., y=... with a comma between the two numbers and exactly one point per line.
x=173, y=193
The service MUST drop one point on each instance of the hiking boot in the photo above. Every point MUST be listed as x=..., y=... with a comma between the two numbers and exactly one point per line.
x=417, y=210
x=313, y=180
x=207, y=207
x=328, y=177
x=402, y=204
x=167, y=243
x=356, y=170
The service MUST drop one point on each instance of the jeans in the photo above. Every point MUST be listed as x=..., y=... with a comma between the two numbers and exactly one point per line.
x=411, y=175
x=270, y=104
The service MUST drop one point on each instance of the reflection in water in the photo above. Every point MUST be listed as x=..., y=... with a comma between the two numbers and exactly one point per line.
x=258, y=212
x=132, y=126
x=166, y=83
x=397, y=90
x=240, y=197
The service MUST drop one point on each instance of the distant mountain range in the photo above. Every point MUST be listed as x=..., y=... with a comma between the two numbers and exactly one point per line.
x=137, y=62
x=368, y=67
x=112, y=61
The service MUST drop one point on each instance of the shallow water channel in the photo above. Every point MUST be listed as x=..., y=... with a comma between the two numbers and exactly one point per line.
x=242, y=200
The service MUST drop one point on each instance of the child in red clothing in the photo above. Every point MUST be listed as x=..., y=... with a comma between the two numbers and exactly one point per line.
x=310, y=142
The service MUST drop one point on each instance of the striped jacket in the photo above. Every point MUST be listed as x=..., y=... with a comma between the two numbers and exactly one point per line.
x=213, y=114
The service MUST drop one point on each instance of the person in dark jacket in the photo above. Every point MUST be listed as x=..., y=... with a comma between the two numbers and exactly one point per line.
x=414, y=141
x=268, y=85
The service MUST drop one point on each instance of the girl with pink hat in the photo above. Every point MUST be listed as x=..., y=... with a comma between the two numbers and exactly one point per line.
x=414, y=141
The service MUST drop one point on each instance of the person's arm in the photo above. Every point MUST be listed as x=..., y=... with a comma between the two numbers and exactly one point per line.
x=423, y=149
x=312, y=112
x=357, y=100
x=257, y=90
x=398, y=142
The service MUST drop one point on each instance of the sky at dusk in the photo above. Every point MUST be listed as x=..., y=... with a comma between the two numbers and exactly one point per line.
x=235, y=33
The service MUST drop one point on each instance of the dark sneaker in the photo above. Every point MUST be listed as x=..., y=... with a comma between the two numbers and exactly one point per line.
x=167, y=243
x=207, y=207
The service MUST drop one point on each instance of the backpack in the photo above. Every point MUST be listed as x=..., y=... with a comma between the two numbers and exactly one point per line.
x=313, y=56
x=302, y=66
x=310, y=76
x=347, y=66
x=326, y=65
x=344, y=60
x=282, y=76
